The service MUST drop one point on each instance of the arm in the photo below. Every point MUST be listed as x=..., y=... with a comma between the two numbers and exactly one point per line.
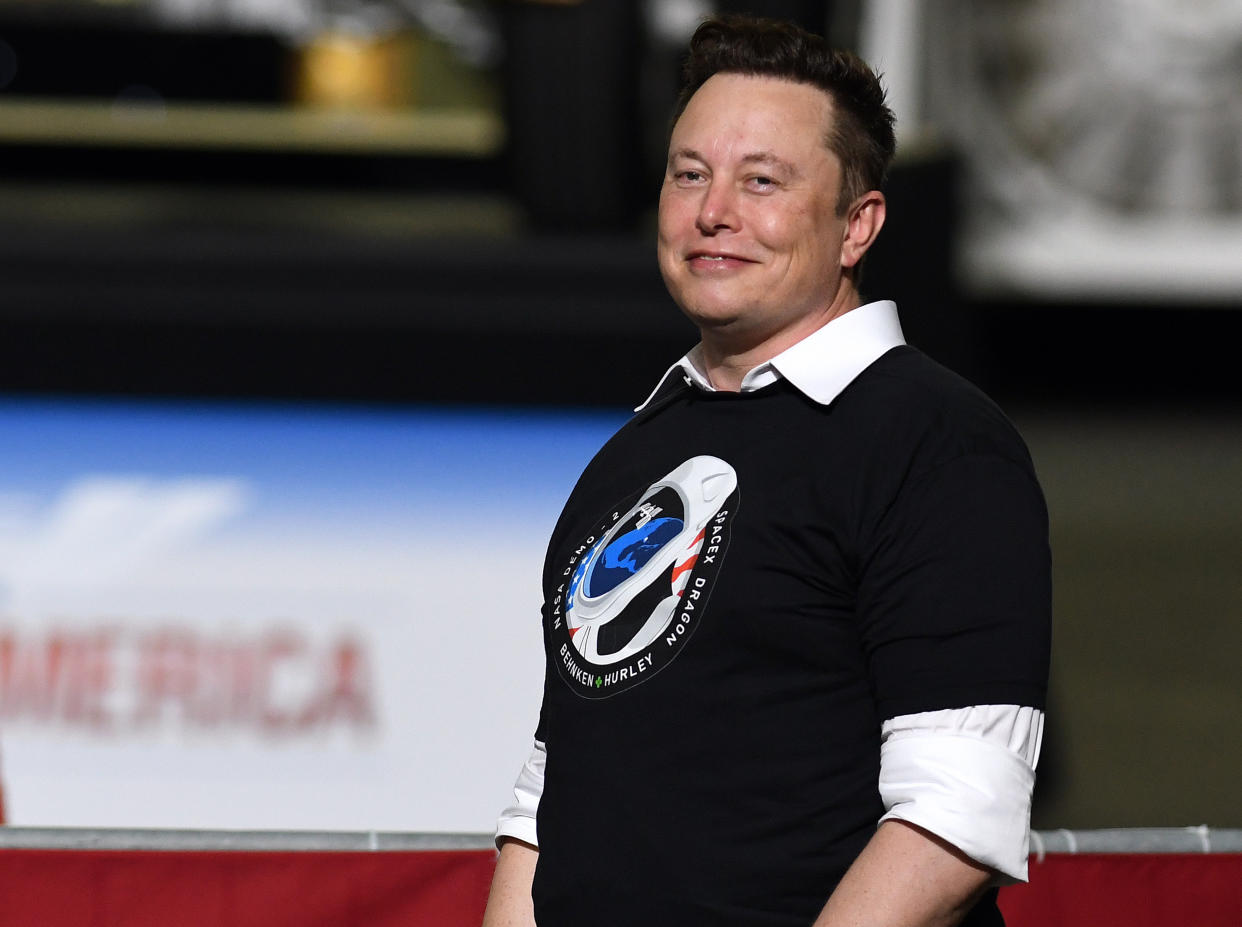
x=965, y=775
x=509, y=902
x=956, y=604
x=905, y=877
x=949, y=780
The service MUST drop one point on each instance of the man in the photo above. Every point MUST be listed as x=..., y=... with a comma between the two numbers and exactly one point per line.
x=805, y=590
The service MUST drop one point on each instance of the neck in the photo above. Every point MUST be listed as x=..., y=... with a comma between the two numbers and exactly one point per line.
x=728, y=355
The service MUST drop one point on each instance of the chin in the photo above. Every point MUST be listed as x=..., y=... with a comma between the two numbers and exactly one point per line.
x=709, y=314
x=709, y=308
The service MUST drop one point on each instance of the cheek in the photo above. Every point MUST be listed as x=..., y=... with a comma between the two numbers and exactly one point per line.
x=815, y=238
x=675, y=230
x=783, y=231
x=675, y=214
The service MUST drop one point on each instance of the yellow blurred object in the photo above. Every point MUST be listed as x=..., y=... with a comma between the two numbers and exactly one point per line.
x=347, y=71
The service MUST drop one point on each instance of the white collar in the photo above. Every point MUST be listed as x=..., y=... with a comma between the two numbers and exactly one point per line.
x=821, y=365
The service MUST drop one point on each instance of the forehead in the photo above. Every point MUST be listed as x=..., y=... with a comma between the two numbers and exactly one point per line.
x=765, y=112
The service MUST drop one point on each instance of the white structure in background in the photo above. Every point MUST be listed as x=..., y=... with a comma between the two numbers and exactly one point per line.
x=890, y=39
x=672, y=22
x=470, y=28
x=1103, y=140
x=284, y=17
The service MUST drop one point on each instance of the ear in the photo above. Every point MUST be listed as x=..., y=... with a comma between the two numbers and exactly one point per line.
x=862, y=224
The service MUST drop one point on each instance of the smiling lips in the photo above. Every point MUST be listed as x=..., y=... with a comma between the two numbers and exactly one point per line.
x=711, y=260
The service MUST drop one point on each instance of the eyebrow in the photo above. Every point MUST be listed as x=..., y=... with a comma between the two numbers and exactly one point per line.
x=768, y=157
x=754, y=157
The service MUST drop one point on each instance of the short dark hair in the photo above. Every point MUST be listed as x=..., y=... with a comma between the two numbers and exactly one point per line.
x=862, y=135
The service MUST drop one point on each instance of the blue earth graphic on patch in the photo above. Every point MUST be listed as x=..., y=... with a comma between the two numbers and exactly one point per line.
x=628, y=553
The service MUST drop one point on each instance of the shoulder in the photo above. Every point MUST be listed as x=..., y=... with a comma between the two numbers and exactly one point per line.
x=918, y=414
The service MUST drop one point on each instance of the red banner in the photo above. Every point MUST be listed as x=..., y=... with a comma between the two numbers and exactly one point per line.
x=72, y=888
x=1134, y=889
x=113, y=888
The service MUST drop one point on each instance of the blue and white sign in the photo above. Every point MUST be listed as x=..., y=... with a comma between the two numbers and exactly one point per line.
x=273, y=616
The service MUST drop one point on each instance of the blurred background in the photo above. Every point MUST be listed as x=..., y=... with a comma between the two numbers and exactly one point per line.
x=312, y=310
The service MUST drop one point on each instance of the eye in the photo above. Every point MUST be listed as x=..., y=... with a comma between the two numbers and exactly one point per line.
x=761, y=183
x=689, y=176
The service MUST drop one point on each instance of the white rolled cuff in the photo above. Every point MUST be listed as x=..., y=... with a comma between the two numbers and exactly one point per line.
x=974, y=793
x=518, y=820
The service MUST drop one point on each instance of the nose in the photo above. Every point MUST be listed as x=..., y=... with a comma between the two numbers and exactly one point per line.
x=717, y=210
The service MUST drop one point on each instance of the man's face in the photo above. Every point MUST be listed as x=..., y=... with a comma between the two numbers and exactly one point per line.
x=749, y=239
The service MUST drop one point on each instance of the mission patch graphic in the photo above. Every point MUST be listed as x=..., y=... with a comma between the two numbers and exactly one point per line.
x=634, y=590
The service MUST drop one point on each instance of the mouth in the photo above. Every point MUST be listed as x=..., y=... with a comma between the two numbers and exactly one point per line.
x=710, y=259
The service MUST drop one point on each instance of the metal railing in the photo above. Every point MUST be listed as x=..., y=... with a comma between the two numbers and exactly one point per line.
x=1110, y=840
x=75, y=838
x=1200, y=839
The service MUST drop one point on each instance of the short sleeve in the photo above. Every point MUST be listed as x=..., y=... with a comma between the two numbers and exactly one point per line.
x=955, y=589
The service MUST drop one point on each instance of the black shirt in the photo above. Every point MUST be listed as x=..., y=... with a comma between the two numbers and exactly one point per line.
x=740, y=589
